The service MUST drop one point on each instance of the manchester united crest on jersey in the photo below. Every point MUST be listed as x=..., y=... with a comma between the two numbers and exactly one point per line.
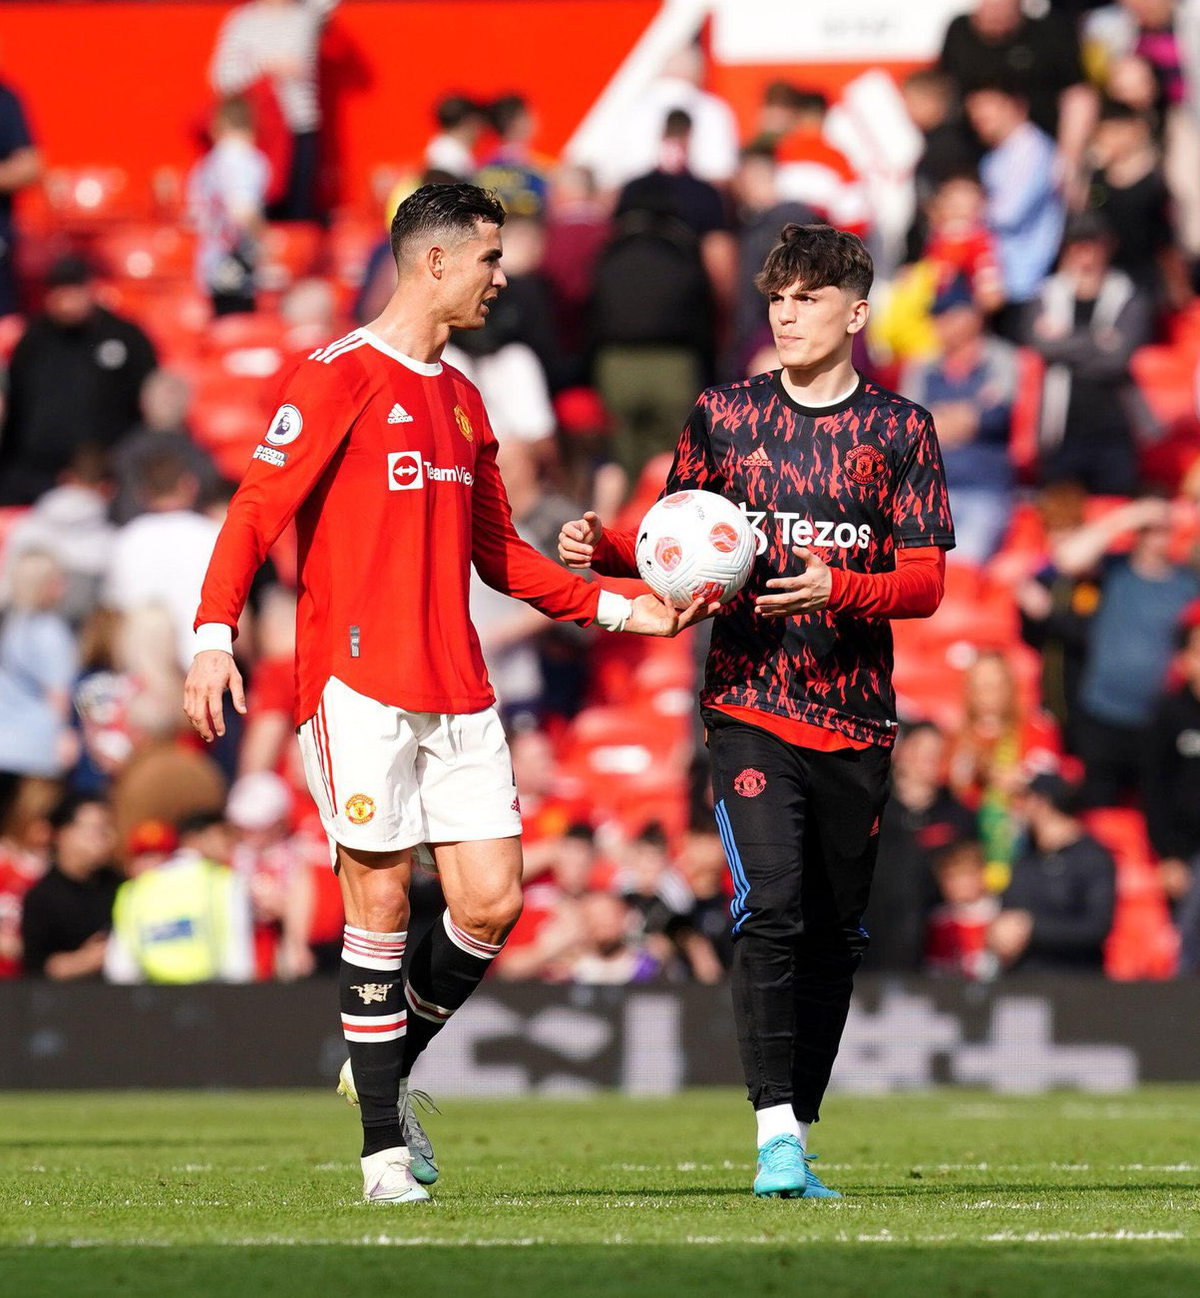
x=464, y=424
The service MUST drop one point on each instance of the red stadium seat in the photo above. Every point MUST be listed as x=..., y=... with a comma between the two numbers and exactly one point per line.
x=631, y=765
x=350, y=242
x=83, y=198
x=248, y=329
x=175, y=315
x=1143, y=943
x=290, y=251
x=1166, y=377
x=147, y=252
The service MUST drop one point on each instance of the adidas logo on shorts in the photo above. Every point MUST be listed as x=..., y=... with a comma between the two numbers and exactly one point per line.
x=398, y=415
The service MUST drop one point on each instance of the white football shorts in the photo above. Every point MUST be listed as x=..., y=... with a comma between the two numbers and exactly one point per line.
x=385, y=779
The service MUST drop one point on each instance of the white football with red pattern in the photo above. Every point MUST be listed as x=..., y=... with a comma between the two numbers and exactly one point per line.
x=695, y=544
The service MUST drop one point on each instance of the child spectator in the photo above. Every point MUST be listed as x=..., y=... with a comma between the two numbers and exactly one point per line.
x=227, y=193
x=957, y=245
x=957, y=938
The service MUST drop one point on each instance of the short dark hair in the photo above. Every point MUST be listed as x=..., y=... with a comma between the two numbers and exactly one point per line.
x=817, y=256
x=160, y=475
x=69, y=806
x=443, y=209
x=506, y=111
x=677, y=125
x=456, y=109
x=1002, y=83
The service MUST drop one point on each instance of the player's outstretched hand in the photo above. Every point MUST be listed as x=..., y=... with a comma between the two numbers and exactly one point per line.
x=578, y=539
x=213, y=671
x=807, y=593
x=651, y=616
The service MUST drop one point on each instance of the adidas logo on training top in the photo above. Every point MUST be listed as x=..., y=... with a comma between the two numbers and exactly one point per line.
x=399, y=415
x=757, y=459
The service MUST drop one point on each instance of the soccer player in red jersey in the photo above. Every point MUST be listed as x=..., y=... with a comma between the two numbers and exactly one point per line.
x=385, y=458
x=843, y=483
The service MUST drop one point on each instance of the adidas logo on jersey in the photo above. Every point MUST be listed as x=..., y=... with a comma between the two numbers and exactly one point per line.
x=757, y=459
x=398, y=415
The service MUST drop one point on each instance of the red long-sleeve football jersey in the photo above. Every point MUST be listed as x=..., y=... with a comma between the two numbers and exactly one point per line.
x=389, y=467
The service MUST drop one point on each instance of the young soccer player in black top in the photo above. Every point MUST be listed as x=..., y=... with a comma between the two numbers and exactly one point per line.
x=842, y=482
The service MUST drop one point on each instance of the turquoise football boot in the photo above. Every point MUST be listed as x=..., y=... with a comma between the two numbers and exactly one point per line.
x=816, y=1188
x=781, y=1172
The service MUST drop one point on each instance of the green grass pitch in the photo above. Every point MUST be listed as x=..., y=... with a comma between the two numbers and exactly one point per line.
x=948, y=1193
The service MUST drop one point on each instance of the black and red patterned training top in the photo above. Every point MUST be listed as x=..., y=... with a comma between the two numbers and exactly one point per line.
x=851, y=482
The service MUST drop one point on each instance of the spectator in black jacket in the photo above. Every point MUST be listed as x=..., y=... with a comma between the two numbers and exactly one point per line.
x=68, y=912
x=75, y=379
x=1171, y=785
x=1059, y=906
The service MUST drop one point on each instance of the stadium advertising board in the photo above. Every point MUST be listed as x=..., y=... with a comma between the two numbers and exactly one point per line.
x=1022, y=1036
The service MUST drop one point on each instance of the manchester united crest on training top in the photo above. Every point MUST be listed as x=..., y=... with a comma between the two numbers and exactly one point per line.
x=864, y=464
x=464, y=424
x=360, y=809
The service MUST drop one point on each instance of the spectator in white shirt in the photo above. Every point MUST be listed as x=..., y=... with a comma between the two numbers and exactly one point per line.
x=160, y=557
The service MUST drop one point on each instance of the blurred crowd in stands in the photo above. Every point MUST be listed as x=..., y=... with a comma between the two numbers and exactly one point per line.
x=1041, y=302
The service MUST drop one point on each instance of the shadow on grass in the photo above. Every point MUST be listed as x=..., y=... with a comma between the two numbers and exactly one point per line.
x=133, y=1142
x=887, y=1270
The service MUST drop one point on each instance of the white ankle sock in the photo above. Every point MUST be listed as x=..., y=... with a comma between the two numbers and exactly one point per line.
x=779, y=1120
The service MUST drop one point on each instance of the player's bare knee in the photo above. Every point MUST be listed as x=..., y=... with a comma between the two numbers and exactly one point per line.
x=491, y=919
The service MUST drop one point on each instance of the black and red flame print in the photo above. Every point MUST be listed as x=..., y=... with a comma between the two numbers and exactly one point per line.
x=850, y=482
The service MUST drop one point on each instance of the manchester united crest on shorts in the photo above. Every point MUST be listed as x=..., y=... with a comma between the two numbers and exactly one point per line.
x=464, y=424
x=864, y=465
x=360, y=809
x=750, y=783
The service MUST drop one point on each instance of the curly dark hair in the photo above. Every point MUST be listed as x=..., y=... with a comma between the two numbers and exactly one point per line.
x=817, y=256
x=438, y=210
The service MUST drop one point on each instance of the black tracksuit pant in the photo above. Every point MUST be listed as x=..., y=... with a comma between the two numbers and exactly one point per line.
x=800, y=830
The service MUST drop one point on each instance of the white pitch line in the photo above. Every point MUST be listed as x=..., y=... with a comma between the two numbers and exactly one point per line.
x=717, y=1241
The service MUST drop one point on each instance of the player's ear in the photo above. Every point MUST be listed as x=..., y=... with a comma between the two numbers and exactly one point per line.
x=435, y=260
x=859, y=312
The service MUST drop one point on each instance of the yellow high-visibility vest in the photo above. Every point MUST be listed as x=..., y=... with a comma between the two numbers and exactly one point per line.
x=175, y=920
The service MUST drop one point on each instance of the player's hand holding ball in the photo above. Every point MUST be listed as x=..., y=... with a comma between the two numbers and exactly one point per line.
x=808, y=593
x=650, y=616
x=213, y=671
